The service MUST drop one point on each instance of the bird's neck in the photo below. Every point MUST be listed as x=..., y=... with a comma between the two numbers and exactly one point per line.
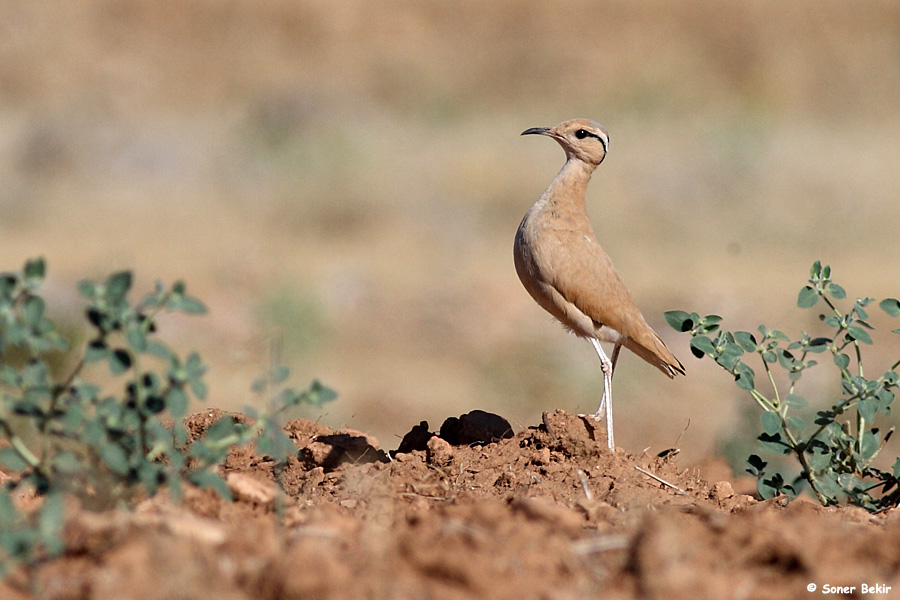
x=568, y=187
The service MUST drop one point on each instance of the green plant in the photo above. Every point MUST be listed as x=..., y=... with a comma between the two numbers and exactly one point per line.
x=105, y=443
x=835, y=457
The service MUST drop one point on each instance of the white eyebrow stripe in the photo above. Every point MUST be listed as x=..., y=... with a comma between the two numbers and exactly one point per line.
x=603, y=139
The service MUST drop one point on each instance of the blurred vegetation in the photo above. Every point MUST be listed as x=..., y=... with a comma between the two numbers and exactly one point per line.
x=106, y=443
x=836, y=453
x=368, y=154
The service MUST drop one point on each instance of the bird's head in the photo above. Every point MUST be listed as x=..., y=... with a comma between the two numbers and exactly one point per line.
x=582, y=139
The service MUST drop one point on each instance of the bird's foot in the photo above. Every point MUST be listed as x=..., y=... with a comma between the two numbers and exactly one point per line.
x=597, y=417
x=601, y=411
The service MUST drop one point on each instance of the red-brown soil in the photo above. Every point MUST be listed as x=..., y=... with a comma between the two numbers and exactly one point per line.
x=548, y=513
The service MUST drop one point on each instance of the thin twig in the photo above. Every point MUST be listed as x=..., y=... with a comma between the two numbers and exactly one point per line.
x=683, y=431
x=604, y=543
x=546, y=419
x=677, y=489
x=584, y=484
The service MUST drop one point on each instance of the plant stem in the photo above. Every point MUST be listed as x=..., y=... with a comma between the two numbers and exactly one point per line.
x=810, y=476
x=58, y=391
x=19, y=446
x=777, y=404
x=764, y=403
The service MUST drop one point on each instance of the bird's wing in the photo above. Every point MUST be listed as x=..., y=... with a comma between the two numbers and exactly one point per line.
x=579, y=269
x=584, y=275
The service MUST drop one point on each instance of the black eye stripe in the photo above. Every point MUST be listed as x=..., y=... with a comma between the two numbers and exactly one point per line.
x=583, y=133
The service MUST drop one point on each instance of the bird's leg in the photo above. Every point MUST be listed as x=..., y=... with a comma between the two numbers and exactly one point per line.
x=607, y=367
x=615, y=356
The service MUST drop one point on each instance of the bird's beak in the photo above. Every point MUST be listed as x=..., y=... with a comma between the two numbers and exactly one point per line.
x=537, y=131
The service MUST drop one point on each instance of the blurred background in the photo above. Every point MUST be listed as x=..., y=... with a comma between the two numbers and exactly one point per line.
x=340, y=182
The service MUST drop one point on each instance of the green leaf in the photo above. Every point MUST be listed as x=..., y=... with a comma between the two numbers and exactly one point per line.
x=9, y=376
x=188, y=305
x=34, y=310
x=120, y=361
x=757, y=465
x=708, y=324
x=728, y=361
x=50, y=523
x=679, y=320
x=701, y=345
x=135, y=337
x=773, y=443
x=850, y=482
x=279, y=374
x=786, y=359
x=176, y=402
x=67, y=463
x=819, y=460
x=867, y=408
x=795, y=401
x=841, y=360
x=12, y=460
x=746, y=340
x=27, y=408
x=221, y=429
x=891, y=306
x=819, y=344
x=859, y=334
x=815, y=272
x=837, y=291
x=150, y=474
x=828, y=485
x=771, y=422
x=114, y=458
x=194, y=365
x=775, y=334
x=744, y=376
x=796, y=423
x=95, y=350
x=808, y=297
x=159, y=350
x=208, y=479
x=36, y=374
x=732, y=349
x=87, y=288
x=275, y=444
x=198, y=388
x=825, y=417
x=118, y=284
x=870, y=442
x=321, y=394
x=766, y=488
x=35, y=269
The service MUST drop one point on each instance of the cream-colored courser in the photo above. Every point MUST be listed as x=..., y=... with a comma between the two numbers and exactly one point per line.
x=565, y=270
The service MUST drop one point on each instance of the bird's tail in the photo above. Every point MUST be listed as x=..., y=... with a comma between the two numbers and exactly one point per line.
x=654, y=351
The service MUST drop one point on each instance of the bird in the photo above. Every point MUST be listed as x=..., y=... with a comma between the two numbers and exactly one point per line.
x=565, y=270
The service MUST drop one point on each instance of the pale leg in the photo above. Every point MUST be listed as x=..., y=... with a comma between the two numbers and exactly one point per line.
x=607, y=367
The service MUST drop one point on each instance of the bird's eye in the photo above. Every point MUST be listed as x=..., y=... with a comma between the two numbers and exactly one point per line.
x=581, y=134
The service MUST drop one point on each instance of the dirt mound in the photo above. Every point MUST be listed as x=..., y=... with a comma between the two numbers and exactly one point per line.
x=547, y=513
